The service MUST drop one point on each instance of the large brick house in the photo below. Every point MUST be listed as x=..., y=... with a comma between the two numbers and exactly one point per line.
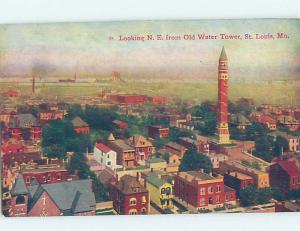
x=155, y=131
x=143, y=148
x=284, y=175
x=202, y=191
x=129, y=196
x=21, y=123
x=237, y=181
x=57, y=199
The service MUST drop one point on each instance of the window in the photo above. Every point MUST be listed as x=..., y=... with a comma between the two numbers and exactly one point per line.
x=132, y=212
x=132, y=201
x=202, y=202
x=168, y=190
x=202, y=191
x=226, y=197
x=107, y=155
x=210, y=190
x=27, y=179
x=217, y=199
x=143, y=210
x=218, y=188
x=48, y=177
x=108, y=163
x=20, y=200
x=210, y=200
x=58, y=177
x=163, y=191
x=144, y=200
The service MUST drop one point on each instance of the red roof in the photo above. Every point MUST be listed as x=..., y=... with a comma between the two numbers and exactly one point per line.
x=290, y=167
x=102, y=147
x=266, y=119
x=9, y=147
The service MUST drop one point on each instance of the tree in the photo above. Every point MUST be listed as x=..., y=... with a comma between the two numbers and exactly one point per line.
x=281, y=144
x=193, y=161
x=55, y=151
x=248, y=196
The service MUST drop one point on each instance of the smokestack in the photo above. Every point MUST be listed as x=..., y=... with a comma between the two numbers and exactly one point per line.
x=33, y=84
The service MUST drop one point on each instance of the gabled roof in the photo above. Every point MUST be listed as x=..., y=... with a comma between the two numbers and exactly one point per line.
x=155, y=180
x=19, y=187
x=103, y=147
x=110, y=137
x=130, y=185
x=22, y=121
x=68, y=196
x=290, y=167
x=139, y=141
x=78, y=122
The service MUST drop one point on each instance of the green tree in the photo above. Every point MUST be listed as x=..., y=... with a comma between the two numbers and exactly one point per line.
x=248, y=196
x=55, y=151
x=281, y=144
x=193, y=161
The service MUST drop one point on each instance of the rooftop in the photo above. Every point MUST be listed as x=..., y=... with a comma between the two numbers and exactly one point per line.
x=78, y=122
x=103, y=147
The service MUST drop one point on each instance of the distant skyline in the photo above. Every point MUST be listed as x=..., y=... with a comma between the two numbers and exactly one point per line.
x=65, y=48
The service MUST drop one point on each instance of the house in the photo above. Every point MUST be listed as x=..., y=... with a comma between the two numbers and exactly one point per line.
x=57, y=199
x=105, y=155
x=264, y=119
x=45, y=174
x=24, y=126
x=120, y=124
x=143, y=148
x=216, y=158
x=80, y=126
x=161, y=191
x=284, y=175
x=240, y=121
x=125, y=153
x=237, y=181
x=201, y=190
x=159, y=131
x=175, y=148
x=260, y=177
x=129, y=196
x=15, y=152
x=156, y=164
x=47, y=115
x=186, y=125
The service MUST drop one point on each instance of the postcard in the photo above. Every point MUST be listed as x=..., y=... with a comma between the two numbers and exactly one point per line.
x=150, y=117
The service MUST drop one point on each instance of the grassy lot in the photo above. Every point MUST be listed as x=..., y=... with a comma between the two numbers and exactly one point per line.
x=197, y=92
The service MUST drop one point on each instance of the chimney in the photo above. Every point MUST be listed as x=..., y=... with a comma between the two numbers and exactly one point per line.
x=235, y=174
x=137, y=176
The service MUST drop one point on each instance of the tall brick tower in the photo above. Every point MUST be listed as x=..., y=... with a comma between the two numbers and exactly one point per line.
x=222, y=129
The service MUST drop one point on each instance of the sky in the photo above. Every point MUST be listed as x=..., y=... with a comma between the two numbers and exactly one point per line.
x=60, y=48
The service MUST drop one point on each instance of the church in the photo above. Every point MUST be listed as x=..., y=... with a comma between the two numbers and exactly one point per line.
x=70, y=198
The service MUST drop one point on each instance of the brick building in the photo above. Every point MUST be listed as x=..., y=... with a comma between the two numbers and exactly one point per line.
x=143, y=148
x=237, y=181
x=128, y=99
x=155, y=131
x=129, y=196
x=201, y=190
x=284, y=175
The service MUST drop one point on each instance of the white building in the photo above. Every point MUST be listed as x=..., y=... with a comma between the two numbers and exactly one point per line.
x=105, y=155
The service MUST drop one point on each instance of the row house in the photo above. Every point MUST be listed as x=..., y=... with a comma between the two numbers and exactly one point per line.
x=202, y=191
x=293, y=141
x=159, y=131
x=285, y=175
x=45, y=174
x=158, y=100
x=55, y=199
x=129, y=196
x=18, y=125
x=190, y=143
